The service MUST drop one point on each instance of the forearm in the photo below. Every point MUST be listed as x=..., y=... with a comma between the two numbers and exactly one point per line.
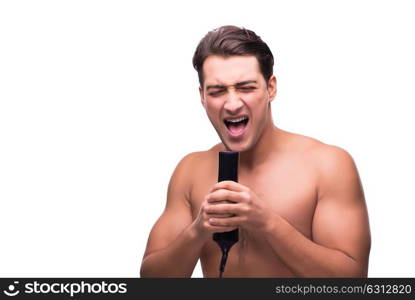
x=177, y=259
x=306, y=258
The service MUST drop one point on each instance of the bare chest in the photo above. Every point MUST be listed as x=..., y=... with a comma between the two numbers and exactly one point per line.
x=290, y=190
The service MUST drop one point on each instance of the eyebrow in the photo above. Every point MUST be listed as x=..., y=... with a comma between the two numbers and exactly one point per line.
x=238, y=84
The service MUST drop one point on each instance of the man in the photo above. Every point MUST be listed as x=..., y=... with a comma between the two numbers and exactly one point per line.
x=299, y=203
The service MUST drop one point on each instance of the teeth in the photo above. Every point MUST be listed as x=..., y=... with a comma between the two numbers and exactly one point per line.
x=236, y=120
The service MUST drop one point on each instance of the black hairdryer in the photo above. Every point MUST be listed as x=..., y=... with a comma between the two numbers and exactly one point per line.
x=228, y=170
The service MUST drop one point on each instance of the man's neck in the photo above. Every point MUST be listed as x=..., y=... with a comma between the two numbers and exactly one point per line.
x=265, y=146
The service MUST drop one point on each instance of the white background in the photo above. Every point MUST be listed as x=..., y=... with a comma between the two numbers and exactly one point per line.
x=99, y=102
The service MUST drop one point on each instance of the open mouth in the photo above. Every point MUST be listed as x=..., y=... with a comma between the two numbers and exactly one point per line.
x=236, y=126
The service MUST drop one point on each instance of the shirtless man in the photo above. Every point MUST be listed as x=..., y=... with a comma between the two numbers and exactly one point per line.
x=299, y=204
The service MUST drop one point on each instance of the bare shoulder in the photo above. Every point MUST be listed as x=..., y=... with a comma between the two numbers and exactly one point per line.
x=323, y=156
x=182, y=175
x=331, y=158
x=336, y=172
x=332, y=165
x=196, y=160
x=190, y=166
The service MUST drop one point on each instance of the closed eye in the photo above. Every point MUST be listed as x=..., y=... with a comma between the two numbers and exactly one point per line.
x=217, y=92
x=246, y=88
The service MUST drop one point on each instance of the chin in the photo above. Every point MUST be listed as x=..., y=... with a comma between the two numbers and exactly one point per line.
x=238, y=147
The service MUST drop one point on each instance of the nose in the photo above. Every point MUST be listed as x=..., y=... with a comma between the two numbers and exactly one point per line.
x=233, y=103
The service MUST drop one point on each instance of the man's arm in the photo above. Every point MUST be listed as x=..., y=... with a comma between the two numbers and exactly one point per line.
x=173, y=246
x=340, y=243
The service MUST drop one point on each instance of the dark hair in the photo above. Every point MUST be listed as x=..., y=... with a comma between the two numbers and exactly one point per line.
x=232, y=40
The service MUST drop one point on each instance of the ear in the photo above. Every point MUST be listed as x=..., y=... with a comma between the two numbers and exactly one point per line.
x=202, y=97
x=272, y=87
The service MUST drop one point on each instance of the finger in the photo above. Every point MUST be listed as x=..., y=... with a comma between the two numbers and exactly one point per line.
x=227, y=222
x=207, y=214
x=214, y=228
x=229, y=185
x=231, y=209
x=219, y=229
x=224, y=195
x=218, y=215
